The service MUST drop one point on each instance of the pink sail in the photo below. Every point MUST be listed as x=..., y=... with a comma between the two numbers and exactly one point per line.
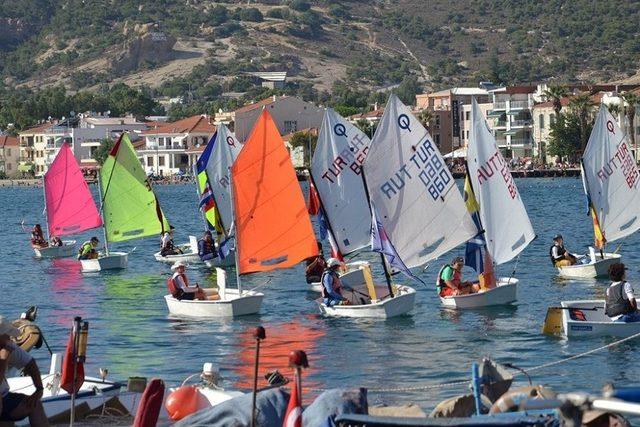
x=70, y=205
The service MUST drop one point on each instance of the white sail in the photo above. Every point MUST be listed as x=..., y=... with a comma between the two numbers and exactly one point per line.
x=611, y=178
x=415, y=195
x=337, y=174
x=507, y=227
x=225, y=151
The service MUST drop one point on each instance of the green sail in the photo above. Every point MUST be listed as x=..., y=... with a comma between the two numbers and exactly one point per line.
x=130, y=208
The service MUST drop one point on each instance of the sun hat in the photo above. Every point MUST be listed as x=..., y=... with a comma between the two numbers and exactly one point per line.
x=178, y=264
x=333, y=262
x=6, y=328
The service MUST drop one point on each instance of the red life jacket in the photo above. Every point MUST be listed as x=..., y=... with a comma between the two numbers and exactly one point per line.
x=175, y=290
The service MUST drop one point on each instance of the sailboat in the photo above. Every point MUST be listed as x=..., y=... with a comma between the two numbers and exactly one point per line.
x=212, y=172
x=610, y=179
x=129, y=207
x=273, y=229
x=501, y=214
x=337, y=194
x=416, y=211
x=70, y=208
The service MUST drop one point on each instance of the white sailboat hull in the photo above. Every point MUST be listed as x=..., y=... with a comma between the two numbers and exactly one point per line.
x=598, y=267
x=113, y=261
x=189, y=253
x=94, y=392
x=232, y=305
x=596, y=323
x=352, y=277
x=228, y=261
x=67, y=249
x=400, y=304
x=504, y=293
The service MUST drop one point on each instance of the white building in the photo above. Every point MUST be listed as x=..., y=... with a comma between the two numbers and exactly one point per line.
x=513, y=124
x=171, y=148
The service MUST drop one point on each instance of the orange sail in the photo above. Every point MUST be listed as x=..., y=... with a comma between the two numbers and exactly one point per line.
x=273, y=229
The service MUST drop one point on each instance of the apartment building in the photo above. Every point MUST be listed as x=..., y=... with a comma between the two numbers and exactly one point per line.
x=9, y=155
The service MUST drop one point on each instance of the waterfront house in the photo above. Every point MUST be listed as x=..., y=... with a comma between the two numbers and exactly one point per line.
x=9, y=155
x=169, y=147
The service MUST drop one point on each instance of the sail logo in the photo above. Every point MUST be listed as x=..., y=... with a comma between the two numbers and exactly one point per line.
x=621, y=160
x=350, y=158
x=494, y=164
x=428, y=166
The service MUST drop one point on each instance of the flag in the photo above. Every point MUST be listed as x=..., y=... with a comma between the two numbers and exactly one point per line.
x=473, y=254
x=599, y=239
x=293, y=416
x=380, y=243
x=66, y=379
x=207, y=201
x=224, y=248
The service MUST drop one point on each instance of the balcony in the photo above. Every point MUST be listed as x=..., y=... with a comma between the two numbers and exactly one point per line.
x=521, y=142
x=520, y=105
x=500, y=124
x=501, y=142
x=167, y=147
x=521, y=123
x=499, y=105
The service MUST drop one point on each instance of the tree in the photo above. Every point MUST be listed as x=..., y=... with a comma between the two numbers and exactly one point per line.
x=631, y=100
x=426, y=117
x=306, y=140
x=367, y=127
x=102, y=152
x=614, y=109
x=251, y=14
x=565, y=136
x=582, y=106
x=555, y=95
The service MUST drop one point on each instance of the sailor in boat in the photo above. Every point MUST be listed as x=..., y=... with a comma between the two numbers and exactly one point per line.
x=315, y=266
x=37, y=237
x=332, y=285
x=88, y=249
x=180, y=288
x=207, y=247
x=450, y=280
x=55, y=241
x=167, y=247
x=560, y=257
x=620, y=303
x=18, y=406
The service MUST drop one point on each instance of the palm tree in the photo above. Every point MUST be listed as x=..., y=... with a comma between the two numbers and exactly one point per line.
x=632, y=100
x=426, y=117
x=582, y=105
x=555, y=95
x=614, y=109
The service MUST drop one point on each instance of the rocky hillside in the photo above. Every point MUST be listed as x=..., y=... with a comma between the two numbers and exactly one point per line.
x=203, y=48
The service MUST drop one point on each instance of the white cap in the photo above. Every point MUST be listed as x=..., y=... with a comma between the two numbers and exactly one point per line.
x=178, y=264
x=6, y=328
x=333, y=262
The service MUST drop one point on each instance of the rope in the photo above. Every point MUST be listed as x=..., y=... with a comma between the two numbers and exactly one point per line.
x=408, y=389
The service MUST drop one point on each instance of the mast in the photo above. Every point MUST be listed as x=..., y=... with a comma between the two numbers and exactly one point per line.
x=387, y=274
x=237, y=248
x=46, y=210
x=104, y=223
x=329, y=228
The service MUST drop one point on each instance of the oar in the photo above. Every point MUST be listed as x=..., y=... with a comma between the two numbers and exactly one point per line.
x=553, y=320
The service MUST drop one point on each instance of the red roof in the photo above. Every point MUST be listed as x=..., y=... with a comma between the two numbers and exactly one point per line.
x=38, y=129
x=138, y=144
x=563, y=101
x=369, y=114
x=267, y=101
x=8, y=141
x=307, y=131
x=194, y=124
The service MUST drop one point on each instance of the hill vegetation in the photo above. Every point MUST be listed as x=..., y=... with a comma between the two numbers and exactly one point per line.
x=343, y=53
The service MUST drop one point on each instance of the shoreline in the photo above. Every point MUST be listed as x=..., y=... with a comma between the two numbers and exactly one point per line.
x=518, y=173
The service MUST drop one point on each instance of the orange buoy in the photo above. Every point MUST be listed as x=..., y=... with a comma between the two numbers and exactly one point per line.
x=183, y=401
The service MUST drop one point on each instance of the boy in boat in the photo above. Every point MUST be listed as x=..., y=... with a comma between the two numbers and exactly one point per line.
x=331, y=284
x=88, y=249
x=315, y=266
x=183, y=290
x=206, y=247
x=620, y=303
x=167, y=247
x=37, y=237
x=560, y=257
x=450, y=280
x=56, y=241
x=18, y=406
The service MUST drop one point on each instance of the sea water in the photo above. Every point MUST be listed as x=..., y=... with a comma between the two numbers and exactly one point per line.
x=132, y=334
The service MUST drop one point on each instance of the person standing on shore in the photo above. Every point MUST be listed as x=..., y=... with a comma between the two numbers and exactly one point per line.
x=560, y=257
x=18, y=406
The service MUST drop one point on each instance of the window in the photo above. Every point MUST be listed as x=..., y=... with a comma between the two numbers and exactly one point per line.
x=8, y=152
x=467, y=115
x=436, y=139
x=290, y=126
x=437, y=119
x=161, y=161
x=149, y=161
x=541, y=120
x=552, y=119
x=9, y=166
